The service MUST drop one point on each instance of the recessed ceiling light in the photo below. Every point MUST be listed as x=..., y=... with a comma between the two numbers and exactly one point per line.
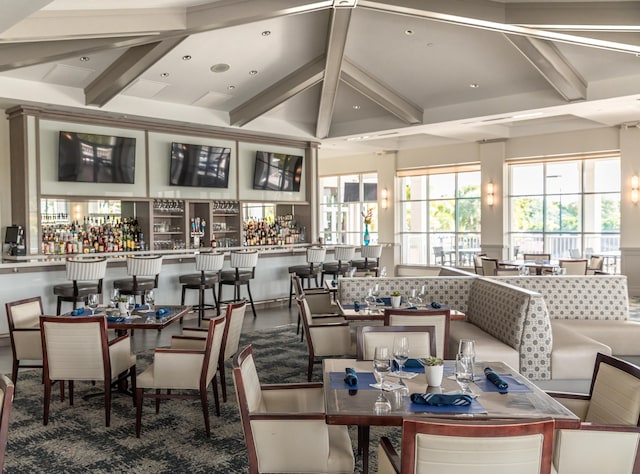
x=356, y=107
x=231, y=87
x=408, y=32
x=186, y=57
x=220, y=67
x=253, y=72
x=265, y=33
x=164, y=74
x=474, y=86
x=84, y=58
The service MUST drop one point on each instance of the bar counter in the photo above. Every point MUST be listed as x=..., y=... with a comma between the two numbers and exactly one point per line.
x=35, y=275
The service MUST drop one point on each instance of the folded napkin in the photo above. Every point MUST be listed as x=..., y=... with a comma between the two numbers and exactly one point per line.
x=441, y=399
x=162, y=312
x=77, y=312
x=409, y=364
x=356, y=306
x=384, y=301
x=435, y=305
x=351, y=379
x=334, y=283
x=496, y=380
x=116, y=319
x=141, y=306
x=412, y=307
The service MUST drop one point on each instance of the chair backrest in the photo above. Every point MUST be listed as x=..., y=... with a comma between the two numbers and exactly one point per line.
x=422, y=340
x=244, y=258
x=489, y=266
x=614, y=393
x=89, y=269
x=306, y=319
x=574, y=267
x=24, y=315
x=574, y=253
x=209, y=262
x=537, y=257
x=371, y=251
x=6, y=402
x=233, y=329
x=144, y=265
x=75, y=348
x=344, y=253
x=596, y=262
x=497, y=447
x=477, y=263
x=440, y=320
x=316, y=255
x=212, y=349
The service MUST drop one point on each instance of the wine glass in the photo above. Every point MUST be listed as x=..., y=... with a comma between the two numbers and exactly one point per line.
x=149, y=298
x=400, y=355
x=131, y=304
x=370, y=300
x=92, y=301
x=414, y=299
x=464, y=372
x=375, y=292
x=381, y=367
x=467, y=347
x=115, y=296
x=423, y=295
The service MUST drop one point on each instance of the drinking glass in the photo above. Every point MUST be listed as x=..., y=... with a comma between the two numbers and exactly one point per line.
x=467, y=347
x=383, y=272
x=423, y=294
x=131, y=304
x=464, y=372
x=115, y=296
x=92, y=301
x=414, y=299
x=149, y=298
x=401, y=354
x=381, y=367
x=371, y=301
x=375, y=292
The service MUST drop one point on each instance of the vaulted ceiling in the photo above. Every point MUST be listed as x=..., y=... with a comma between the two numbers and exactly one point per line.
x=356, y=75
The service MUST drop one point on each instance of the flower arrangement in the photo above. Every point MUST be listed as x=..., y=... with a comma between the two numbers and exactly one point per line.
x=368, y=216
x=395, y=293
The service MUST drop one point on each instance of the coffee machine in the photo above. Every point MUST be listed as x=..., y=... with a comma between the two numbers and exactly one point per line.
x=14, y=237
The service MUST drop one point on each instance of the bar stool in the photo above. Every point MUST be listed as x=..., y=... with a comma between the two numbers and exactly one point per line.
x=370, y=260
x=86, y=275
x=344, y=255
x=209, y=266
x=243, y=263
x=140, y=266
x=315, y=258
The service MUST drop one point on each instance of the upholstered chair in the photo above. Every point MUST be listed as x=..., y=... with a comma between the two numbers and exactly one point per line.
x=183, y=368
x=324, y=338
x=537, y=257
x=435, y=446
x=574, y=267
x=23, y=317
x=489, y=266
x=343, y=255
x=85, y=275
x=143, y=272
x=6, y=402
x=243, y=270
x=320, y=304
x=370, y=259
x=439, y=319
x=422, y=340
x=614, y=395
x=596, y=262
x=477, y=263
x=208, y=266
x=284, y=425
x=77, y=348
x=315, y=259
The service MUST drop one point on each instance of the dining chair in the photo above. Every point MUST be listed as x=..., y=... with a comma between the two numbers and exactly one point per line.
x=489, y=266
x=243, y=264
x=595, y=449
x=208, y=266
x=315, y=259
x=370, y=259
x=439, y=253
x=77, y=348
x=574, y=253
x=183, y=368
x=574, y=267
x=284, y=425
x=477, y=263
x=86, y=276
x=439, y=319
x=422, y=340
x=537, y=257
x=344, y=255
x=230, y=339
x=445, y=446
x=614, y=394
x=596, y=262
x=323, y=338
x=143, y=271
x=23, y=317
x=320, y=304
x=6, y=402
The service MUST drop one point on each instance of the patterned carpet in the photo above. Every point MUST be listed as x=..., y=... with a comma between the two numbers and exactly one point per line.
x=76, y=440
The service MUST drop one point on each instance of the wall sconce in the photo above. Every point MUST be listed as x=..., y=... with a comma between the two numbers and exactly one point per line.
x=385, y=199
x=490, y=194
x=634, y=189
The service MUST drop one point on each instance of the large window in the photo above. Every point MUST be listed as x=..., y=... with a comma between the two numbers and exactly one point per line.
x=343, y=201
x=567, y=208
x=440, y=217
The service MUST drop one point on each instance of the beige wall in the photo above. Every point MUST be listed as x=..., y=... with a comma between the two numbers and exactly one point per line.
x=5, y=178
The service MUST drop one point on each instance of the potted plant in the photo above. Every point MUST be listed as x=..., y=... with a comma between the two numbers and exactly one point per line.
x=434, y=370
x=396, y=299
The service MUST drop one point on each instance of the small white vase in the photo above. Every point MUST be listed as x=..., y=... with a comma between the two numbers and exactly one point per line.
x=395, y=301
x=434, y=375
x=123, y=309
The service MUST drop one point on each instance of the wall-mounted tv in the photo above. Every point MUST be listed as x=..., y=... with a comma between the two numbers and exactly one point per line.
x=199, y=165
x=277, y=171
x=91, y=158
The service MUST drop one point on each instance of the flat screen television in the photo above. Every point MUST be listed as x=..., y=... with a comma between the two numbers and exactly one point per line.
x=199, y=165
x=91, y=158
x=277, y=171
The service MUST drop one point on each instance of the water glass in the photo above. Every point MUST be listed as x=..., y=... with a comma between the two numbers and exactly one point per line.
x=93, y=300
x=467, y=347
x=131, y=304
x=381, y=367
x=149, y=299
x=464, y=372
x=115, y=297
x=401, y=353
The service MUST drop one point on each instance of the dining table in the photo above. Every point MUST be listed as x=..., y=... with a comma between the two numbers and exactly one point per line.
x=538, y=265
x=364, y=313
x=354, y=404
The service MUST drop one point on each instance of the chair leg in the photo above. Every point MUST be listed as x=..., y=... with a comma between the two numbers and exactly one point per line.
x=223, y=382
x=14, y=374
x=132, y=375
x=205, y=411
x=216, y=397
x=59, y=306
x=71, y=392
x=220, y=291
x=201, y=305
x=290, y=290
x=138, y=402
x=47, y=400
x=184, y=290
x=215, y=300
x=310, y=369
x=298, y=325
x=253, y=308
x=158, y=401
x=107, y=403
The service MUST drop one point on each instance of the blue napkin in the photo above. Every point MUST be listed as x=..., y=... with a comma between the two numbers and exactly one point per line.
x=356, y=306
x=351, y=379
x=496, y=380
x=77, y=312
x=436, y=305
x=410, y=364
x=334, y=283
x=384, y=301
x=441, y=399
x=141, y=306
x=162, y=312
x=116, y=319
